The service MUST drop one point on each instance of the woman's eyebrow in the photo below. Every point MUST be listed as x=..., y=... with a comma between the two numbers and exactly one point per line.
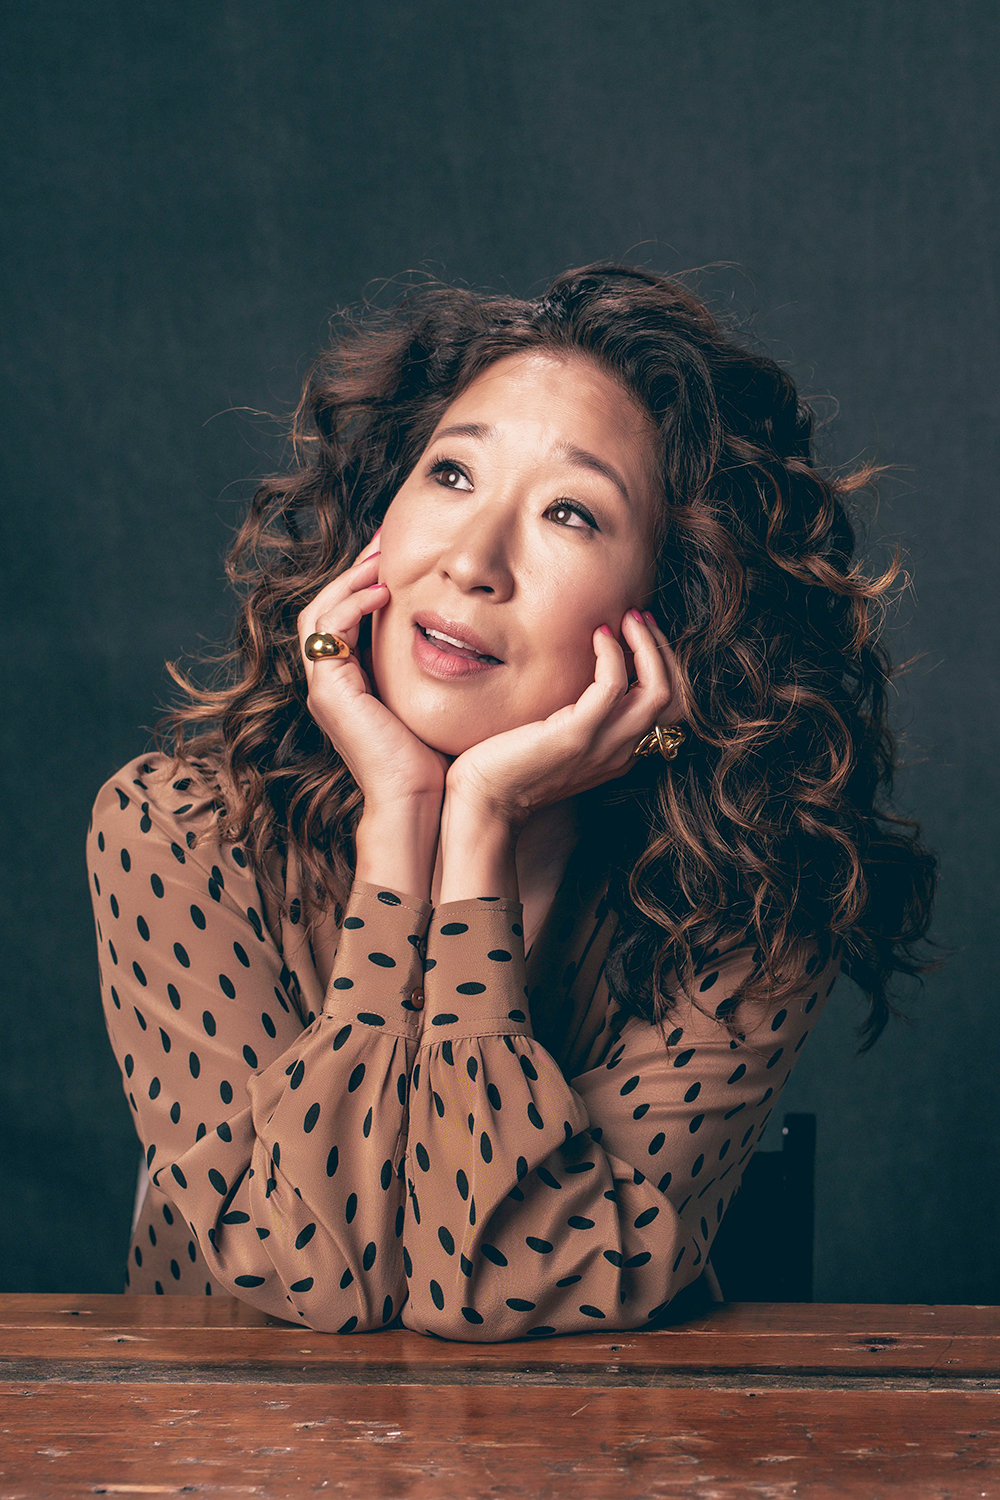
x=468, y=429
x=574, y=455
x=585, y=460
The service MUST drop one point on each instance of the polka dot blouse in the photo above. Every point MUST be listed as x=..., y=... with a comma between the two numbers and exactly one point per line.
x=406, y=1121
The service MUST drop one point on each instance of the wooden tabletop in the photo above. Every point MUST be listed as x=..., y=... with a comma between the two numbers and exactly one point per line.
x=205, y=1396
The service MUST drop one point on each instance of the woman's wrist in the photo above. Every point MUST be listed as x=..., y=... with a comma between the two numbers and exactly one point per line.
x=477, y=853
x=396, y=846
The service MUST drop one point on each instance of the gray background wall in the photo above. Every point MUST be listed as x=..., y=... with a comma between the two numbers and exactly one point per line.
x=192, y=189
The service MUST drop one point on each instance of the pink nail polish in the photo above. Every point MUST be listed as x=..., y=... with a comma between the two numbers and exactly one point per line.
x=647, y=616
x=636, y=615
x=607, y=630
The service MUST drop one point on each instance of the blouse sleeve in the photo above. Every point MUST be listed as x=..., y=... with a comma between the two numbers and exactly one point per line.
x=279, y=1137
x=538, y=1206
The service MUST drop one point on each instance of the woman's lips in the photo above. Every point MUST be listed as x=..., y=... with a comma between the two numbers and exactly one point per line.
x=446, y=661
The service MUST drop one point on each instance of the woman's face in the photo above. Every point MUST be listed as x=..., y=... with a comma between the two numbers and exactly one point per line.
x=527, y=522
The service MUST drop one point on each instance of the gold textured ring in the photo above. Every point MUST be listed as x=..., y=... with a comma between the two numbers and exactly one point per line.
x=321, y=646
x=667, y=739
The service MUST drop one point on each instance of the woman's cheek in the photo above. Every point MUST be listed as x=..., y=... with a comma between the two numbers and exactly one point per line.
x=572, y=672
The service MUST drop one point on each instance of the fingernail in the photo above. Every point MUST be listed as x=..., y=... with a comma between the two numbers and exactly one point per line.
x=636, y=615
x=376, y=534
x=607, y=630
x=647, y=616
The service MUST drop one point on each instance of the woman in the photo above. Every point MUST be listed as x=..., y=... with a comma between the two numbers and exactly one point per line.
x=455, y=966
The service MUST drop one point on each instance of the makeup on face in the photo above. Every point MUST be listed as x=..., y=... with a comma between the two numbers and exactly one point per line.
x=451, y=648
x=522, y=526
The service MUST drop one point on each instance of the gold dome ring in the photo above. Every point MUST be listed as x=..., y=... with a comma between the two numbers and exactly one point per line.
x=321, y=646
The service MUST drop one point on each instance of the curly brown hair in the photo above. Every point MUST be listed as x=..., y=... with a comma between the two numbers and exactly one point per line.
x=765, y=827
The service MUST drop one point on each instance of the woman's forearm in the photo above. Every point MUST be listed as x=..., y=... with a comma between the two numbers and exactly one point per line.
x=396, y=846
x=477, y=855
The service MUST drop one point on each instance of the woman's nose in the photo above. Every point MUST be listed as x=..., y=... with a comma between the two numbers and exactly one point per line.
x=481, y=556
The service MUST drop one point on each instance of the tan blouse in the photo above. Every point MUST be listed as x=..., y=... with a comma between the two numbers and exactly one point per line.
x=513, y=1158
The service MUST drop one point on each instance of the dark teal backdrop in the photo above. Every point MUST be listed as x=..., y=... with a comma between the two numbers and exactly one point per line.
x=191, y=189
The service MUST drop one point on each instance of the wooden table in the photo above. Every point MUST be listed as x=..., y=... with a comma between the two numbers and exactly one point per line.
x=206, y=1397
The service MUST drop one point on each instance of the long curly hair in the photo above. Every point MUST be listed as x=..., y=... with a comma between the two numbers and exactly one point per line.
x=767, y=827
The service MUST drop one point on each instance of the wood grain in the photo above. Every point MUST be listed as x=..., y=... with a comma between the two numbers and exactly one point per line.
x=775, y=1401
x=199, y=1334
x=387, y=1440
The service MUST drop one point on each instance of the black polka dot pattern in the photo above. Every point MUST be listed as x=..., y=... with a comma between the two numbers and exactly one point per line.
x=246, y=1090
x=551, y=1206
x=412, y=1125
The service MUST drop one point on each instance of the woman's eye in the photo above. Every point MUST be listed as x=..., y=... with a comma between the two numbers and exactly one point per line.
x=449, y=475
x=570, y=508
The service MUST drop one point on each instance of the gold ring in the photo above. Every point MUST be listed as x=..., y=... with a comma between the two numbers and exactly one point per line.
x=667, y=739
x=321, y=646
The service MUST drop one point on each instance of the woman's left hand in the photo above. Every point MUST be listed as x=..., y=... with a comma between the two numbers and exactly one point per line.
x=510, y=776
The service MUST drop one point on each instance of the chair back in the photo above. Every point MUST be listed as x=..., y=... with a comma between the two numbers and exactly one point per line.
x=763, y=1251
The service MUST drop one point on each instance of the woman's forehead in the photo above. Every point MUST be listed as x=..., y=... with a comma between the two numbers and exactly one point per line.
x=574, y=376
x=559, y=395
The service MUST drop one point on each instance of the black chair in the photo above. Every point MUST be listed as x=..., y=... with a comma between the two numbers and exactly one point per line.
x=763, y=1251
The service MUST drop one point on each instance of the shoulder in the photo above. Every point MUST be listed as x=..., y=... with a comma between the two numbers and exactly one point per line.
x=764, y=1023
x=157, y=799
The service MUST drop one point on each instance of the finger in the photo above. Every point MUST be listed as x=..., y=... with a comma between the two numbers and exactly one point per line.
x=345, y=618
x=344, y=622
x=369, y=546
x=650, y=694
x=611, y=670
x=657, y=633
x=609, y=686
x=653, y=678
x=359, y=576
x=607, y=704
x=667, y=652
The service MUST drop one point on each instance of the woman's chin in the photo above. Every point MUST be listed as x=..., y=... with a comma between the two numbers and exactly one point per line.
x=449, y=733
x=450, y=741
x=451, y=745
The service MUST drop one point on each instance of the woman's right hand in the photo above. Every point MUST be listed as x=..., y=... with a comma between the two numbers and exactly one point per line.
x=390, y=764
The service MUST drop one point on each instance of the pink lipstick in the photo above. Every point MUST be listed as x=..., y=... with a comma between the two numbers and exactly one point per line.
x=449, y=662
